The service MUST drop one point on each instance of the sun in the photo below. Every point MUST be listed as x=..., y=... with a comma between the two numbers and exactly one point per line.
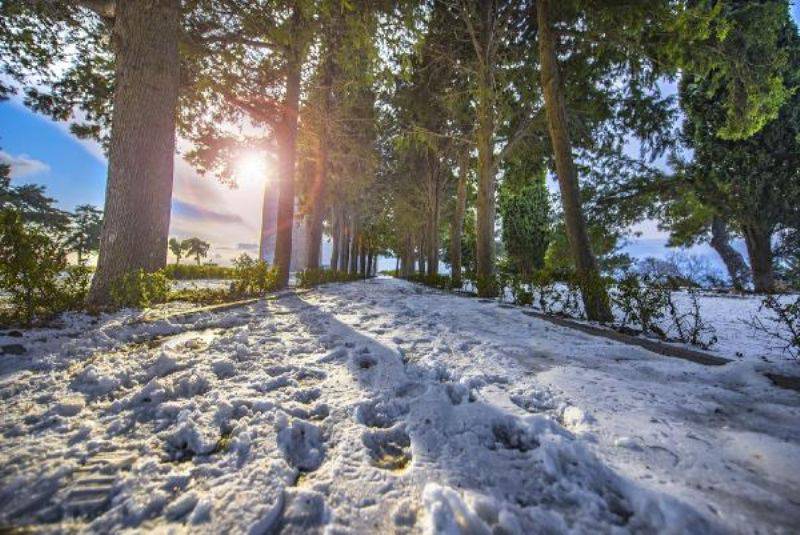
x=250, y=169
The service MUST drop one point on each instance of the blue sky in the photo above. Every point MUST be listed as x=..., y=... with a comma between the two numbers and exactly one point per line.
x=74, y=171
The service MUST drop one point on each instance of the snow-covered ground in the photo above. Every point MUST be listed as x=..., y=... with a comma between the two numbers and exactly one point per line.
x=384, y=406
x=201, y=284
x=729, y=321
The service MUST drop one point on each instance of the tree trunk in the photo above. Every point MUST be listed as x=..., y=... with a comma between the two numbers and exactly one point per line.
x=287, y=155
x=485, y=204
x=370, y=257
x=433, y=229
x=457, y=225
x=142, y=149
x=354, y=251
x=344, y=258
x=595, y=297
x=319, y=183
x=363, y=260
x=336, y=237
x=759, y=249
x=734, y=263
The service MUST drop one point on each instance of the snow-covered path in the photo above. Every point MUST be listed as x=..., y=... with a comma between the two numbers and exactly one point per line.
x=385, y=406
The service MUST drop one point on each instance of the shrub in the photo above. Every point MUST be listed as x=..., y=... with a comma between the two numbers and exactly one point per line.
x=201, y=296
x=443, y=282
x=525, y=216
x=641, y=302
x=520, y=292
x=253, y=277
x=689, y=325
x=34, y=271
x=488, y=286
x=139, y=289
x=315, y=277
x=784, y=327
x=194, y=272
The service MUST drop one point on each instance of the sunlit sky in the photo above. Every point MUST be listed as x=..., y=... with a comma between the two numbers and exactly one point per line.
x=44, y=152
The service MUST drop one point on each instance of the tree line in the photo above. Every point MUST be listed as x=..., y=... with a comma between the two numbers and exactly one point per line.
x=409, y=126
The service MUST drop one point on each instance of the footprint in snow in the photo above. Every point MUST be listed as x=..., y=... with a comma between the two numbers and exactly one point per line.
x=388, y=449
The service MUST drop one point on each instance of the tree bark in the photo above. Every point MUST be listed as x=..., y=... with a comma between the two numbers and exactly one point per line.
x=142, y=149
x=354, y=251
x=344, y=258
x=286, y=137
x=319, y=183
x=595, y=297
x=433, y=226
x=484, y=140
x=287, y=156
x=336, y=237
x=363, y=260
x=759, y=249
x=457, y=225
x=733, y=260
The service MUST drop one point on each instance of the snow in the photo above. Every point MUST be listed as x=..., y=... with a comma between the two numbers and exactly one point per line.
x=386, y=406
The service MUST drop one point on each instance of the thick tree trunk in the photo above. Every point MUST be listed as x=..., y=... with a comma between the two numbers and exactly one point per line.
x=457, y=225
x=733, y=260
x=319, y=183
x=370, y=258
x=287, y=153
x=485, y=204
x=759, y=249
x=595, y=297
x=142, y=149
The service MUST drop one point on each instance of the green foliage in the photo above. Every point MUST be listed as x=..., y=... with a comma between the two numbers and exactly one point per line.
x=253, y=277
x=34, y=271
x=202, y=296
x=194, y=272
x=525, y=213
x=488, y=286
x=176, y=247
x=140, y=289
x=84, y=233
x=641, y=302
x=31, y=203
x=315, y=277
x=196, y=247
x=521, y=292
x=442, y=282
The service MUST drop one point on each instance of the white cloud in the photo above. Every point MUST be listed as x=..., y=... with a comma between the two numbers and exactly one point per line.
x=23, y=165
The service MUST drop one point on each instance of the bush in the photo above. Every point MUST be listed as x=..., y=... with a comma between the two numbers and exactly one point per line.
x=488, y=286
x=201, y=296
x=525, y=216
x=315, y=277
x=139, y=289
x=641, y=302
x=520, y=292
x=784, y=327
x=442, y=282
x=253, y=277
x=689, y=325
x=194, y=272
x=34, y=271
